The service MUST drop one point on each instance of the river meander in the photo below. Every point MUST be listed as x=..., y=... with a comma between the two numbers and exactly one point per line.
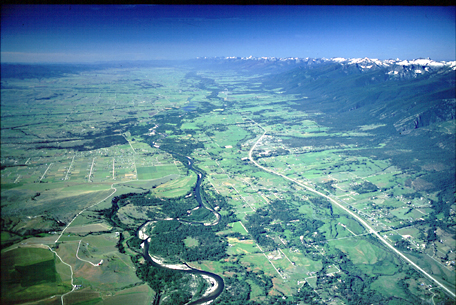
x=217, y=280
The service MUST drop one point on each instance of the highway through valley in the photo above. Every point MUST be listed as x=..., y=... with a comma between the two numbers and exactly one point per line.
x=333, y=201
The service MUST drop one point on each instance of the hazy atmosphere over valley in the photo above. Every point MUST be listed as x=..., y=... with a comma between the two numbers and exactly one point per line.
x=209, y=154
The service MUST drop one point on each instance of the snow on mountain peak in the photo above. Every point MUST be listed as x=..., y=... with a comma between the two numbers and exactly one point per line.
x=420, y=64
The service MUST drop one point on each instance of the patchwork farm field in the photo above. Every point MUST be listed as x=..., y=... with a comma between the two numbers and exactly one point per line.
x=297, y=207
x=31, y=273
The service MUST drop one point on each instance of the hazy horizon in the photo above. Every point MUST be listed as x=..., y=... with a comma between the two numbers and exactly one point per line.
x=97, y=33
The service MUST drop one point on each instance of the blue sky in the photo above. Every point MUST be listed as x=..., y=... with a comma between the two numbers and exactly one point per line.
x=103, y=33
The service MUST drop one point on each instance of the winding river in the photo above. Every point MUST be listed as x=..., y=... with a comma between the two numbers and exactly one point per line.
x=218, y=280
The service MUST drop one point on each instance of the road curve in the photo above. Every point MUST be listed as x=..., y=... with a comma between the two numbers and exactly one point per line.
x=72, y=274
x=370, y=229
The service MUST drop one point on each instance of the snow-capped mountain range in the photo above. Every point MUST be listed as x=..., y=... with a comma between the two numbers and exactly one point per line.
x=393, y=67
x=367, y=62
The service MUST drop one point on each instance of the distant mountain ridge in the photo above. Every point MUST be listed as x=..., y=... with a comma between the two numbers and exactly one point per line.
x=395, y=68
x=412, y=94
x=409, y=93
x=366, y=60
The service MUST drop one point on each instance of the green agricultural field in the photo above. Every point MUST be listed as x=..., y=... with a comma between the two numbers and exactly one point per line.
x=352, y=225
x=177, y=187
x=237, y=246
x=84, y=296
x=440, y=271
x=238, y=227
x=117, y=270
x=142, y=185
x=388, y=286
x=209, y=266
x=256, y=290
x=360, y=251
x=154, y=172
x=191, y=242
x=88, y=228
x=142, y=294
x=30, y=274
x=258, y=261
x=333, y=230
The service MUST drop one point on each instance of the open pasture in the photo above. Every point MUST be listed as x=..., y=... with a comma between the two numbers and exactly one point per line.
x=211, y=266
x=406, y=213
x=258, y=261
x=30, y=274
x=306, y=209
x=256, y=293
x=212, y=120
x=384, y=180
x=146, y=184
x=303, y=263
x=116, y=270
x=141, y=294
x=237, y=227
x=444, y=274
x=254, y=200
x=175, y=188
x=26, y=256
x=61, y=202
x=387, y=266
x=408, y=231
x=360, y=250
x=446, y=243
x=279, y=261
x=89, y=228
x=333, y=230
x=352, y=224
x=154, y=172
x=83, y=296
x=130, y=214
x=237, y=246
x=388, y=285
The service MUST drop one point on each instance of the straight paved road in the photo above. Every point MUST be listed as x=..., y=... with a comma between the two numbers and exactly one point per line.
x=368, y=227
